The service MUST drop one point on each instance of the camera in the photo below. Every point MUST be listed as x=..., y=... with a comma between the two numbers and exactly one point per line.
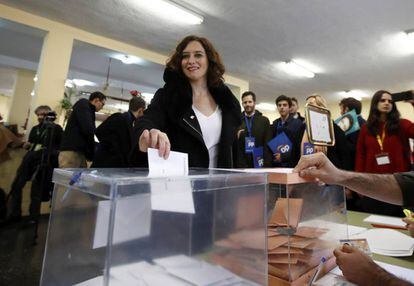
x=402, y=96
x=50, y=116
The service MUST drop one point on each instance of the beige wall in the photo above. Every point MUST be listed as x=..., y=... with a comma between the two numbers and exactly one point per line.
x=5, y=102
x=21, y=98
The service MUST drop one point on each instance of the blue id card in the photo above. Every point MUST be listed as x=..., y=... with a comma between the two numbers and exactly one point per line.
x=249, y=144
x=258, y=160
x=308, y=148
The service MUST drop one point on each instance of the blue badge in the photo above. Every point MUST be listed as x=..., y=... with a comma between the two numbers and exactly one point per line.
x=308, y=148
x=258, y=160
x=249, y=144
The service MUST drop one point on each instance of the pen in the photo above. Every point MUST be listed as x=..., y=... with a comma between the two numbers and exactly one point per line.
x=318, y=270
x=408, y=214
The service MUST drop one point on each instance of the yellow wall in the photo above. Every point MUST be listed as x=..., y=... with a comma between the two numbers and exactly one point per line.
x=5, y=106
x=21, y=100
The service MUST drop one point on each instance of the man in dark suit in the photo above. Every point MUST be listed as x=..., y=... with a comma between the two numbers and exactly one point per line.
x=288, y=125
x=78, y=143
x=256, y=128
x=114, y=136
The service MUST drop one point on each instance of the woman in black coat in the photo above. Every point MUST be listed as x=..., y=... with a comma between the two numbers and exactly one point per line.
x=195, y=112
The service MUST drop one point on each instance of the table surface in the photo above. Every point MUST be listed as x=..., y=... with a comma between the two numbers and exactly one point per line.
x=356, y=218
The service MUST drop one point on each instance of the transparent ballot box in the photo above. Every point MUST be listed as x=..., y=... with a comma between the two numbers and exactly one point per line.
x=306, y=221
x=122, y=227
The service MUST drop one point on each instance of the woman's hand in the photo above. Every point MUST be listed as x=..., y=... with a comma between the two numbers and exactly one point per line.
x=155, y=139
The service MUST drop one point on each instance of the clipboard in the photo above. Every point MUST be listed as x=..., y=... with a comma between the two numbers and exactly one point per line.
x=319, y=125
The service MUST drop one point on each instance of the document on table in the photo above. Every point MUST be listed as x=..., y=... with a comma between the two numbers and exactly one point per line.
x=132, y=219
x=194, y=271
x=386, y=221
x=400, y=272
x=388, y=242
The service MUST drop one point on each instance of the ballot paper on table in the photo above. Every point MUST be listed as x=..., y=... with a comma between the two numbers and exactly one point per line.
x=195, y=271
x=388, y=242
x=398, y=271
x=132, y=219
x=137, y=274
x=175, y=165
x=386, y=221
x=175, y=193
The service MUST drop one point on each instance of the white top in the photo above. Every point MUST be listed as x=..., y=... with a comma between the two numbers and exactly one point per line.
x=211, y=130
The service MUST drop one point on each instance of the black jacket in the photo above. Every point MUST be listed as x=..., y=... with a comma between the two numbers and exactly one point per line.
x=41, y=135
x=262, y=134
x=114, y=135
x=353, y=140
x=171, y=112
x=79, y=132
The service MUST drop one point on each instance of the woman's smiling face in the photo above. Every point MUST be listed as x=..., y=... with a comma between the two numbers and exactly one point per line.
x=194, y=62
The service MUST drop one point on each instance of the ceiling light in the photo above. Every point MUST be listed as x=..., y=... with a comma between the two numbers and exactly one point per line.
x=172, y=11
x=127, y=59
x=293, y=68
x=32, y=93
x=266, y=106
x=82, y=82
x=357, y=94
x=35, y=78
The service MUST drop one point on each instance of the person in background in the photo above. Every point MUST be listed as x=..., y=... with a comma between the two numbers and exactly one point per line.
x=339, y=153
x=294, y=110
x=290, y=126
x=254, y=130
x=383, y=147
x=114, y=135
x=346, y=105
x=78, y=143
x=397, y=189
x=195, y=112
x=42, y=140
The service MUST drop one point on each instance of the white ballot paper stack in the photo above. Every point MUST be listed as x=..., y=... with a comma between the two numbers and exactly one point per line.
x=386, y=221
x=388, y=242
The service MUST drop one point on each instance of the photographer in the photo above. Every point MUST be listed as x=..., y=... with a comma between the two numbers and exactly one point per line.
x=43, y=143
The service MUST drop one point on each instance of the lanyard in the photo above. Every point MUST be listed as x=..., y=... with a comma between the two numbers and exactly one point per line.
x=249, y=124
x=380, y=140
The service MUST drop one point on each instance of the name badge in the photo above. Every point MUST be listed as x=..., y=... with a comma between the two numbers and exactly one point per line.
x=308, y=148
x=249, y=144
x=258, y=160
x=382, y=159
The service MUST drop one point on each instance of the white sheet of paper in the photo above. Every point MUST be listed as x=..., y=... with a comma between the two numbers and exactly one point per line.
x=400, y=272
x=385, y=220
x=144, y=273
x=388, y=242
x=132, y=220
x=353, y=230
x=172, y=195
x=332, y=279
x=319, y=126
x=194, y=271
x=175, y=165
